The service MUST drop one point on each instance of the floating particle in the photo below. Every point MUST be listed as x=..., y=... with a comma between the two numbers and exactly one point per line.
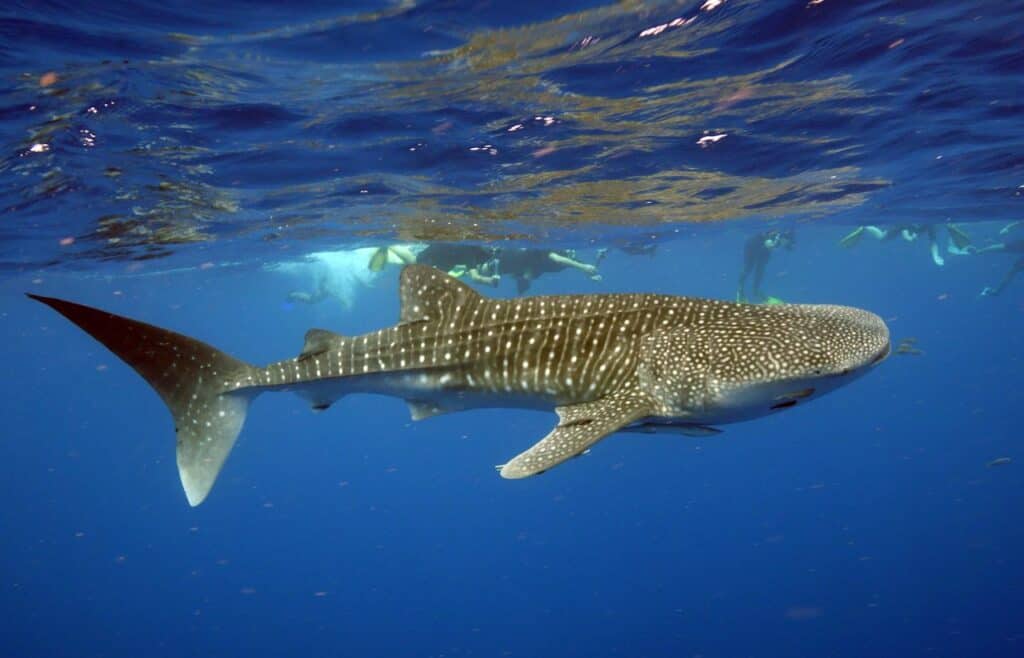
x=803, y=613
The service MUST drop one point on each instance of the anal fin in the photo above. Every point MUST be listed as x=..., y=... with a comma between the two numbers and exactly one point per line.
x=420, y=410
x=580, y=426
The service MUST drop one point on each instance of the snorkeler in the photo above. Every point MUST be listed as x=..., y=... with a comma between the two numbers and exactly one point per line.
x=458, y=260
x=757, y=251
x=959, y=241
x=525, y=265
x=338, y=275
x=1014, y=247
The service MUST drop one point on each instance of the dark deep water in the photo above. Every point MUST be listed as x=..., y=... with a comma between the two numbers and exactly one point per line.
x=192, y=164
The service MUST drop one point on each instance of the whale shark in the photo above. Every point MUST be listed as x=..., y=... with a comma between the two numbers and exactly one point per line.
x=604, y=363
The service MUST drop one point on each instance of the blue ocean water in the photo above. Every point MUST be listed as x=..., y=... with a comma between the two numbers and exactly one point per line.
x=194, y=166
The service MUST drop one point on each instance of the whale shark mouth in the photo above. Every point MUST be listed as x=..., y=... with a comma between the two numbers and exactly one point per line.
x=882, y=355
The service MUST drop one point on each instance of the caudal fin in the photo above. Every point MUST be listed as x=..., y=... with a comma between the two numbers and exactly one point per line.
x=204, y=388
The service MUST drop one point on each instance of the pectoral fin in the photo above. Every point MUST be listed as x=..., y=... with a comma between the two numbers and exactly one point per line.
x=579, y=427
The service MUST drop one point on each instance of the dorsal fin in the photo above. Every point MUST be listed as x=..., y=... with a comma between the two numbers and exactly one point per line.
x=318, y=341
x=427, y=293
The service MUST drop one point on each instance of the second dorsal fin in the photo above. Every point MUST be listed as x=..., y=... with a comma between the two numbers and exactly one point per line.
x=319, y=341
x=430, y=294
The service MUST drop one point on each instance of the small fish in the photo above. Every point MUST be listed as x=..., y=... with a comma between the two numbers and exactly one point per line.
x=1000, y=461
x=907, y=346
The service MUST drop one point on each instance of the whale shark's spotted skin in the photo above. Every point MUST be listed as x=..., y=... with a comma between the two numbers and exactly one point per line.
x=604, y=362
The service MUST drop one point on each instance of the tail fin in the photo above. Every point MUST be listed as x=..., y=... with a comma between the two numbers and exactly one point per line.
x=203, y=387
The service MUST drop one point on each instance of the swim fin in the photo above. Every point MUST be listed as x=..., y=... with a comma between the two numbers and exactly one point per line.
x=379, y=259
x=852, y=238
x=958, y=237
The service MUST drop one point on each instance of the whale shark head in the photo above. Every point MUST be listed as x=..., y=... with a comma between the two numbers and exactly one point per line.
x=752, y=360
x=811, y=350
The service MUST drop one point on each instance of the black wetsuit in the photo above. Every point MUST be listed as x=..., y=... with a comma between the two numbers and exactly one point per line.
x=525, y=265
x=447, y=257
x=756, y=255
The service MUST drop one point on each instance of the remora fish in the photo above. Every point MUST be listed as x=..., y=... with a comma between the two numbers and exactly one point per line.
x=604, y=362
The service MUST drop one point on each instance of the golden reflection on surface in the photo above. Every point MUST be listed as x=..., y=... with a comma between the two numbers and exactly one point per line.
x=507, y=68
x=558, y=152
